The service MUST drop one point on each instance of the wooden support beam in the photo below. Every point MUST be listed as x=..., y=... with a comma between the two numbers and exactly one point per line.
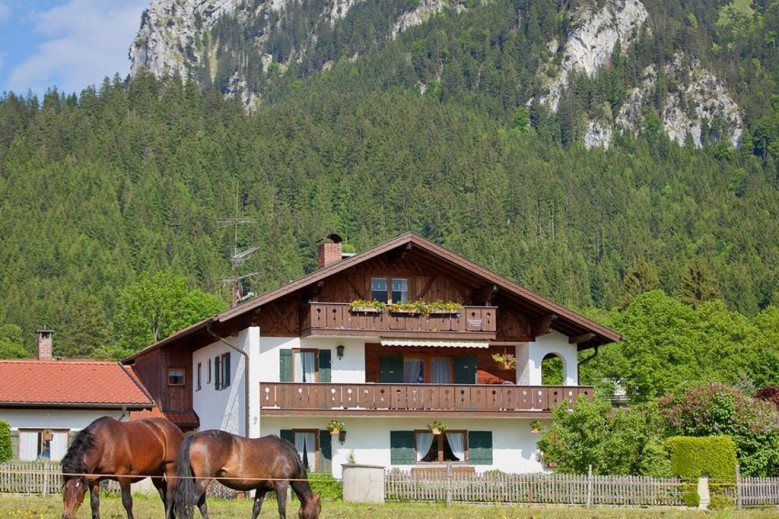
x=484, y=296
x=581, y=338
x=542, y=326
x=427, y=286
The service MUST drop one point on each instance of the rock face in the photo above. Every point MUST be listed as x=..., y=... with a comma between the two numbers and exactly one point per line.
x=185, y=38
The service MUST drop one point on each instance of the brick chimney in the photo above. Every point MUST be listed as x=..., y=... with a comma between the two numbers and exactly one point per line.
x=329, y=250
x=44, y=343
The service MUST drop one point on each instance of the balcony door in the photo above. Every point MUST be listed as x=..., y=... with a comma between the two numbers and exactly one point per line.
x=426, y=369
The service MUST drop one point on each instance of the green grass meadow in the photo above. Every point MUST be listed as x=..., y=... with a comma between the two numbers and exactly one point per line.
x=36, y=507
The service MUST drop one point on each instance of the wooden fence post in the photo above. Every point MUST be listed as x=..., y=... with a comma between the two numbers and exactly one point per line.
x=589, y=486
x=449, y=484
x=739, y=503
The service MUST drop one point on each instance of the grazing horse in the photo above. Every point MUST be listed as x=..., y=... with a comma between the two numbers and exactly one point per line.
x=261, y=464
x=126, y=452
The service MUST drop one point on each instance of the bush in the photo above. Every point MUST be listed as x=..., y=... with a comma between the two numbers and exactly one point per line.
x=693, y=457
x=326, y=486
x=5, y=441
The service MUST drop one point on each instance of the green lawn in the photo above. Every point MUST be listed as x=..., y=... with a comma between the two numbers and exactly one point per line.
x=34, y=507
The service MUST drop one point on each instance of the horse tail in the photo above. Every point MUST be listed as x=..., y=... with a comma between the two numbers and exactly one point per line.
x=184, y=500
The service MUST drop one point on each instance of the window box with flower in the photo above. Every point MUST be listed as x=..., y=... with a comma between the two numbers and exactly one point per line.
x=364, y=306
x=335, y=427
x=436, y=427
x=505, y=360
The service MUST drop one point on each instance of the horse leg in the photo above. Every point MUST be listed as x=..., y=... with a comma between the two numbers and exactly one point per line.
x=94, y=499
x=162, y=489
x=127, y=498
x=281, y=498
x=259, y=495
x=201, y=485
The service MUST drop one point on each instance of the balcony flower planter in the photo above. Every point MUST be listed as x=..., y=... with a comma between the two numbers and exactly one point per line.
x=362, y=306
x=444, y=308
x=535, y=427
x=505, y=361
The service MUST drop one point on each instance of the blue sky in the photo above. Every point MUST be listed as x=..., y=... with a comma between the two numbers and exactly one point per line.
x=68, y=44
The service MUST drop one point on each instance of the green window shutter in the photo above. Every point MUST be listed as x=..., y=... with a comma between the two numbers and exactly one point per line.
x=480, y=447
x=325, y=451
x=402, y=450
x=465, y=370
x=324, y=365
x=286, y=434
x=391, y=369
x=285, y=366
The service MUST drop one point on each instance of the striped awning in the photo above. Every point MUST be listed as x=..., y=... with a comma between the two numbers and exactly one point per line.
x=436, y=343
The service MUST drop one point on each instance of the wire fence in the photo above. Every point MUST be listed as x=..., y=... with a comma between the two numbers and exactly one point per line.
x=45, y=478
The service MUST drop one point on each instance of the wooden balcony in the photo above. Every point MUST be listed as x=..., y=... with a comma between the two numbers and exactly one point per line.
x=474, y=322
x=283, y=398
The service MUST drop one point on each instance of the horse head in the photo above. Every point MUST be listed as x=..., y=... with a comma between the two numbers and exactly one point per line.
x=311, y=508
x=73, y=492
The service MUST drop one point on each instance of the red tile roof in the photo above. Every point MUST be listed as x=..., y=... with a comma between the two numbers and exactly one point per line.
x=184, y=419
x=70, y=383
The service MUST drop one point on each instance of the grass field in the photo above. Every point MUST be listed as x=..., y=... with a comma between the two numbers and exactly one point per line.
x=35, y=507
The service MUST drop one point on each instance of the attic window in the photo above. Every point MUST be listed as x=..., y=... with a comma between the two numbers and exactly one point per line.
x=176, y=377
x=389, y=290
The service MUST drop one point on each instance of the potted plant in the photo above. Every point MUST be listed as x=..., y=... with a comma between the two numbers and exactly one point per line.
x=47, y=435
x=335, y=427
x=408, y=307
x=535, y=427
x=436, y=427
x=505, y=360
x=365, y=306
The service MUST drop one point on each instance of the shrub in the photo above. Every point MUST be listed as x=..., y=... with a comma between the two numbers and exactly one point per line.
x=5, y=441
x=693, y=457
x=325, y=485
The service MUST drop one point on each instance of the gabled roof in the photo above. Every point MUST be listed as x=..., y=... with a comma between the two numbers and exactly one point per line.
x=70, y=383
x=566, y=321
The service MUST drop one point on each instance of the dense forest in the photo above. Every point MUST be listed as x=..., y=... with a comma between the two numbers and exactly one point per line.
x=102, y=189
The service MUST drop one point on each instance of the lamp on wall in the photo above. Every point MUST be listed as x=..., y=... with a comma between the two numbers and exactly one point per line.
x=339, y=351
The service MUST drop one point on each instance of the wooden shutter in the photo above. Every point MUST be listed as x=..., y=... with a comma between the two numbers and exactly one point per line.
x=286, y=434
x=285, y=366
x=391, y=369
x=226, y=369
x=465, y=370
x=402, y=450
x=324, y=365
x=325, y=451
x=218, y=372
x=480, y=447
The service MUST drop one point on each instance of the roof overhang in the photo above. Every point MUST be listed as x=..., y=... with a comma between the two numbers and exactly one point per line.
x=436, y=343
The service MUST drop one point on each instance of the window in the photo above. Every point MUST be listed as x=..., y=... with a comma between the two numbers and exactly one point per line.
x=437, y=448
x=199, y=375
x=308, y=442
x=427, y=369
x=44, y=445
x=208, y=372
x=393, y=290
x=222, y=370
x=305, y=365
x=176, y=377
x=421, y=446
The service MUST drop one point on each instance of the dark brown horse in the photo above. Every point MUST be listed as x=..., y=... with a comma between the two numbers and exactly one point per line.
x=261, y=464
x=126, y=452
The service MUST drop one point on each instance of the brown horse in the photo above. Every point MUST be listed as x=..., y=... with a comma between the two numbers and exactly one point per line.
x=261, y=464
x=126, y=452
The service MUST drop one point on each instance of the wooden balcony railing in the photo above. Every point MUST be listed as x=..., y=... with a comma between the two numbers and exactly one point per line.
x=336, y=318
x=417, y=397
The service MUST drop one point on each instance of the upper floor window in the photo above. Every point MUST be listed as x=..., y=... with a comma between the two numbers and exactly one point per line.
x=176, y=377
x=222, y=371
x=306, y=366
x=389, y=290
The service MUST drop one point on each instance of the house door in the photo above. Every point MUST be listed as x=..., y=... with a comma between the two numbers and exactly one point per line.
x=391, y=369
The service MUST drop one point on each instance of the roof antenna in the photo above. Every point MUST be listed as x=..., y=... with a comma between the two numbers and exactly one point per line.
x=238, y=257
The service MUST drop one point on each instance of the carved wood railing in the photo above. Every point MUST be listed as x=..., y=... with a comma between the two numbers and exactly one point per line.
x=417, y=397
x=473, y=321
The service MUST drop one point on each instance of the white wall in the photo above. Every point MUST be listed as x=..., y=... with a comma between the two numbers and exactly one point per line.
x=349, y=370
x=225, y=409
x=59, y=421
x=368, y=440
x=557, y=344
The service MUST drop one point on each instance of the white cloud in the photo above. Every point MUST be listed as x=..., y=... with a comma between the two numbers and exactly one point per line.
x=82, y=41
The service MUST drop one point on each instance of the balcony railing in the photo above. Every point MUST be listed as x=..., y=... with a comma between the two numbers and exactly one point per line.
x=337, y=318
x=417, y=397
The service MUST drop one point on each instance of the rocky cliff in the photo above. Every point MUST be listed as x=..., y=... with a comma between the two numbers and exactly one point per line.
x=235, y=46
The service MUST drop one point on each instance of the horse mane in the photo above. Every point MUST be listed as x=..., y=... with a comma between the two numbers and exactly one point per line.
x=73, y=461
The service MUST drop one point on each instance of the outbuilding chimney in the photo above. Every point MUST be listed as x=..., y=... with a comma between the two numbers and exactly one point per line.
x=44, y=343
x=330, y=250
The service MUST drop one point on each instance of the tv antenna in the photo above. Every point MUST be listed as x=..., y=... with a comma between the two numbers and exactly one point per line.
x=238, y=257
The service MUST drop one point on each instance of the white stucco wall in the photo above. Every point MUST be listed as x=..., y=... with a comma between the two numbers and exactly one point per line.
x=368, y=440
x=535, y=352
x=349, y=370
x=224, y=409
x=60, y=421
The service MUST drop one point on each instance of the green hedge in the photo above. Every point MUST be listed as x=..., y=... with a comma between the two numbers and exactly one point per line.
x=5, y=441
x=325, y=485
x=693, y=457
